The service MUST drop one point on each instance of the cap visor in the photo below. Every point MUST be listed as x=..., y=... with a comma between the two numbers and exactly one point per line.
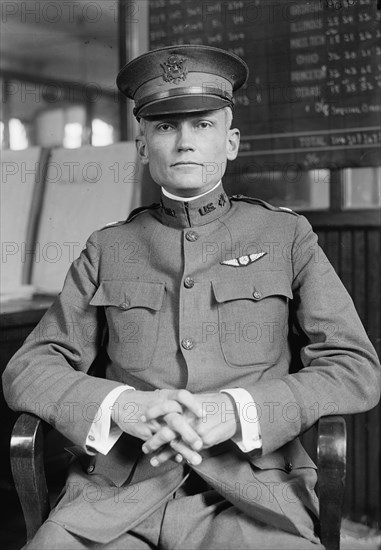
x=184, y=104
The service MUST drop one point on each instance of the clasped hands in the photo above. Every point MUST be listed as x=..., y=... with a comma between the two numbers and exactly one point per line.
x=176, y=424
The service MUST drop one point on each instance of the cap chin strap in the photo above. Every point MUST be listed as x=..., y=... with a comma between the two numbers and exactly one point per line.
x=205, y=91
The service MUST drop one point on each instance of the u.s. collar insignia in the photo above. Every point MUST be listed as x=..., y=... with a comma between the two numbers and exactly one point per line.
x=174, y=70
x=243, y=261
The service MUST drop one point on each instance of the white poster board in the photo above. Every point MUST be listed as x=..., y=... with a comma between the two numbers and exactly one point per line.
x=20, y=171
x=86, y=189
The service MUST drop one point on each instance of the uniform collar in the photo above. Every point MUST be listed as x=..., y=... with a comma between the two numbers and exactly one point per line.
x=198, y=211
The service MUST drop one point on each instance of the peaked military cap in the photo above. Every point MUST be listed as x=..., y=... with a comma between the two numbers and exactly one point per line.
x=182, y=79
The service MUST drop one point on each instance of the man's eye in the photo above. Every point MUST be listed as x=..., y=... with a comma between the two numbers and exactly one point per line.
x=164, y=127
x=204, y=124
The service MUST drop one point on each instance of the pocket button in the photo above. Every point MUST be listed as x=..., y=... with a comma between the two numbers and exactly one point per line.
x=125, y=305
x=257, y=294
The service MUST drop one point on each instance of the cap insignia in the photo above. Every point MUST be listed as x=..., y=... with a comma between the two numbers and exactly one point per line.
x=174, y=70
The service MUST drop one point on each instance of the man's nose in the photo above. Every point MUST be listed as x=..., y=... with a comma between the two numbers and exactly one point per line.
x=185, y=137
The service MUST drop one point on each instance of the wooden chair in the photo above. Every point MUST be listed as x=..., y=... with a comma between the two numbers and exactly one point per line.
x=27, y=462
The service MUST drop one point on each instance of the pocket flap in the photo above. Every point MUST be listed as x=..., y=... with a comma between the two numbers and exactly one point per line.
x=289, y=457
x=129, y=294
x=255, y=287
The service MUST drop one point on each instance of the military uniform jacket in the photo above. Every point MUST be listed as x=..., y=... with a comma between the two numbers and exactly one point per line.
x=203, y=295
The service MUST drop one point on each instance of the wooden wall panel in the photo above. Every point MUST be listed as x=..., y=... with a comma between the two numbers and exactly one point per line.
x=355, y=253
x=373, y=417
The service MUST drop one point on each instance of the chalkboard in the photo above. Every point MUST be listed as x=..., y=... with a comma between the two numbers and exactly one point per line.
x=313, y=96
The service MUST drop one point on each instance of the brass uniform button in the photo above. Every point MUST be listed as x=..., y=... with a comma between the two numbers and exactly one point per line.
x=125, y=305
x=191, y=236
x=187, y=343
x=257, y=294
x=188, y=282
x=90, y=468
x=288, y=467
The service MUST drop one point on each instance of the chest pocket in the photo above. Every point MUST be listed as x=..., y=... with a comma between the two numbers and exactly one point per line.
x=132, y=310
x=253, y=317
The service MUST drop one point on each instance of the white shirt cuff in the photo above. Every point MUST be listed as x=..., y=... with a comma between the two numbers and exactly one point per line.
x=250, y=437
x=102, y=437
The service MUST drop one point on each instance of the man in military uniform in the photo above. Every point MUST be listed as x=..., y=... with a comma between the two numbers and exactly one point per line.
x=189, y=439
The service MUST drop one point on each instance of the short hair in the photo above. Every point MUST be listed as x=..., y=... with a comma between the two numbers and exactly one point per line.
x=228, y=120
x=229, y=117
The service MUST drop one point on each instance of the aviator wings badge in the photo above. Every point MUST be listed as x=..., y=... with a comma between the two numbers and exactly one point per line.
x=243, y=261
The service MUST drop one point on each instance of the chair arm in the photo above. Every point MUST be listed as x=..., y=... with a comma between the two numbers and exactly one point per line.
x=331, y=463
x=27, y=464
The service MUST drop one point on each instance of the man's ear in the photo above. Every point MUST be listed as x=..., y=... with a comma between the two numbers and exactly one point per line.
x=232, y=143
x=141, y=147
